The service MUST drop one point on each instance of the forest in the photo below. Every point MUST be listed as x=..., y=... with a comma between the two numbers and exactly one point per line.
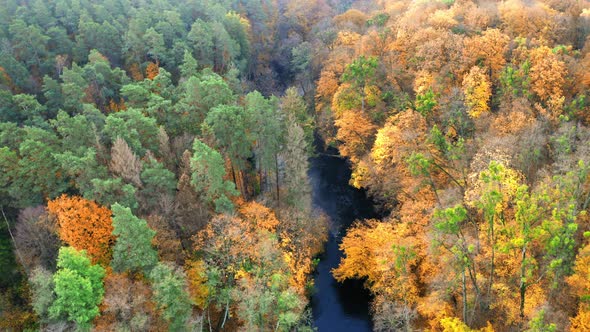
x=154, y=159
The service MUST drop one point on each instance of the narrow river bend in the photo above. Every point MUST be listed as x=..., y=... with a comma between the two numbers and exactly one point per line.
x=338, y=306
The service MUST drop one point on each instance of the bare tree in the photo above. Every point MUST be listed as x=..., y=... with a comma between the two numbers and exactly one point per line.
x=124, y=162
x=36, y=238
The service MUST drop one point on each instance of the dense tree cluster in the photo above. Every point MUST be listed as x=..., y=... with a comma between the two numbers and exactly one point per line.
x=467, y=122
x=154, y=157
x=146, y=184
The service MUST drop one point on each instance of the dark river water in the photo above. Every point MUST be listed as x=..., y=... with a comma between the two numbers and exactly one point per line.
x=338, y=306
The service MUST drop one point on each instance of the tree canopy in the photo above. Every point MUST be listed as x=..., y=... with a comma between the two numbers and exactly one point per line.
x=166, y=146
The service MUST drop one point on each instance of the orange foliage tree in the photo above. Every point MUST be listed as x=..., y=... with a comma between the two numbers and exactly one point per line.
x=489, y=49
x=580, y=284
x=547, y=73
x=5, y=79
x=384, y=254
x=84, y=225
x=260, y=216
x=135, y=72
x=152, y=70
x=355, y=131
x=117, y=106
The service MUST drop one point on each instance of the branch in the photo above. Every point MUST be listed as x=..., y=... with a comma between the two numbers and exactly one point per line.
x=14, y=241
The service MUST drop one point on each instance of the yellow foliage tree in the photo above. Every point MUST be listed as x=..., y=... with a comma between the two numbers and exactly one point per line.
x=491, y=195
x=398, y=138
x=386, y=254
x=454, y=324
x=347, y=38
x=197, y=283
x=581, y=322
x=580, y=280
x=387, y=170
x=383, y=253
x=478, y=91
x=580, y=284
x=259, y=216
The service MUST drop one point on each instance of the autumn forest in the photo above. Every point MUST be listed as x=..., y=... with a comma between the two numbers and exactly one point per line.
x=155, y=163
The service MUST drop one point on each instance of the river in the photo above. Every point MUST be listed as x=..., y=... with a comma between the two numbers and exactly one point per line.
x=338, y=306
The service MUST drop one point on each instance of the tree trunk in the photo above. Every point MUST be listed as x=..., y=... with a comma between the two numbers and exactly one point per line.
x=473, y=277
x=209, y=319
x=237, y=181
x=277, y=185
x=245, y=192
x=225, y=314
x=233, y=175
x=523, y=284
x=433, y=185
x=22, y=262
x=492, y=244
x=260, y=176
x=464, y=296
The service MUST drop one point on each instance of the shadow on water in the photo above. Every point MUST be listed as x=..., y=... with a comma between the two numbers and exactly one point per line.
x=338, y=306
